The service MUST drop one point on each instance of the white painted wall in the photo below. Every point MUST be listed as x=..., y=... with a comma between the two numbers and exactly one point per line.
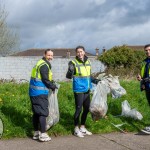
x=20, y=67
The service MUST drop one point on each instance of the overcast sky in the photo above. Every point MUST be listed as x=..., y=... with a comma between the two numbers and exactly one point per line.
x=69, y=23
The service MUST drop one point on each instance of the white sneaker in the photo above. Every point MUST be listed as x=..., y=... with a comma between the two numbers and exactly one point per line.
x=146, y=130
x=85, y=131
x=36, y=135
x=78, y=133
x=44, y=137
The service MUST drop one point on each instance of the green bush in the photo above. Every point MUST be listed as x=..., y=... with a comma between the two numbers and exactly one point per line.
x=122, y=61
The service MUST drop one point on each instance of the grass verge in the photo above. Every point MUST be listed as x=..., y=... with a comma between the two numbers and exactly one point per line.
x=16, y=114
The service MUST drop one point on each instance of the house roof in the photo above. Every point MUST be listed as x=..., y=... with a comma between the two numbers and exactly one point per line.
x=57, y=52
x=136, y=47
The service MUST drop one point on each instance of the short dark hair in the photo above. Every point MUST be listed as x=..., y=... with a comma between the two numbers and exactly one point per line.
x=147, y=45
x=47, y=51
x=82, y=47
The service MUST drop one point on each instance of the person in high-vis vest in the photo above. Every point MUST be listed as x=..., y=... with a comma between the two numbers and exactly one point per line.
x=80, y=70
x=40, y=83
x=144, y=78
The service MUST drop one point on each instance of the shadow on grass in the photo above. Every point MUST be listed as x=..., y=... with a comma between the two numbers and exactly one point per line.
x=66, y=120
x=114, y=108
x=134, y=124
x=18, y=119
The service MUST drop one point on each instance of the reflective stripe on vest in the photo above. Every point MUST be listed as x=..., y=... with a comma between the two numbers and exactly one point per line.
x=38, y=88
x=82, y=69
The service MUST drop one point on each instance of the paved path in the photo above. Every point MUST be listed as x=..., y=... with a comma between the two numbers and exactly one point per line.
x=112, y=141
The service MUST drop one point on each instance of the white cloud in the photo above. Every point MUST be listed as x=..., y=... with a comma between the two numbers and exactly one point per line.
x=92, y=23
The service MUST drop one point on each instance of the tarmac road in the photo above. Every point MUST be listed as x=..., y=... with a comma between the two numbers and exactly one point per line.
x=112, y=141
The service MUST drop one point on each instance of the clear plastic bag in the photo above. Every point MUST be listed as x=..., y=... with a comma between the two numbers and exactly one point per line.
x=98, y=106
x=53, y=116
x=112, y=85
x=118, y=92
x=116, y=89
x=128, y=112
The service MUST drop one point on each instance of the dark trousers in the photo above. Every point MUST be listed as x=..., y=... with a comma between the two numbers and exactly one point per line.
x=81, y=100
x=147, y=92
x=39, y=123
x=40, y=112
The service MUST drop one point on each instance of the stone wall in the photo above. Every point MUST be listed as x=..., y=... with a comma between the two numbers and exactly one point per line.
x=19, y=68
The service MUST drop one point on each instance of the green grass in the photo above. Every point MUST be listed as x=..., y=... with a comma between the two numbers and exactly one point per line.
x=15, y=111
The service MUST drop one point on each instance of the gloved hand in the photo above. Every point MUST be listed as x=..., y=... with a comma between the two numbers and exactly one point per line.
x=54, y=87
x=96, y=81
x=71, y=67
x=70, y=71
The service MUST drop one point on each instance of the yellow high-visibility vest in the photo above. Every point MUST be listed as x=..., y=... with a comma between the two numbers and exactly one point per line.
x=36, y=70
x=82, y=76
x=82, y=69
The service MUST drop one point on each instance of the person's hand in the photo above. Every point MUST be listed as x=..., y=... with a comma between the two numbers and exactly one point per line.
x=139, y=78
x=53, y=88
x=96, y=81
x=71, y=67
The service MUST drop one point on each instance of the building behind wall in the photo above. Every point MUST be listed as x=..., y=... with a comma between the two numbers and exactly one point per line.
x=58, y=53
x=19, y=66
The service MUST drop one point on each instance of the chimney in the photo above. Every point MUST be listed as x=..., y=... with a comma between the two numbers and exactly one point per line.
x=97, y=52
x=104, y=50
x=68, y=54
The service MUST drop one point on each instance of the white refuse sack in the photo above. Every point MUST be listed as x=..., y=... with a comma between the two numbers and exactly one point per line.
x=53, y=117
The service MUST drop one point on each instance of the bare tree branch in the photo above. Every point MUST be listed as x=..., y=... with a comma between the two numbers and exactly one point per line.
x=9, y=39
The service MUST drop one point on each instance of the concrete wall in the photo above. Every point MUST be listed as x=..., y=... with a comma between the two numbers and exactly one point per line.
x=20, y=67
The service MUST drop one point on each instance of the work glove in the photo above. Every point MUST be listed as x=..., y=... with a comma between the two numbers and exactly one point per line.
x=71, y=68
x=54, y=87
x=96, y=81
x=70, y=71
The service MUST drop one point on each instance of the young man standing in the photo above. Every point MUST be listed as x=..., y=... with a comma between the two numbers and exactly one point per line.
x=80, y=70
x=40, y=83
x=144, y=78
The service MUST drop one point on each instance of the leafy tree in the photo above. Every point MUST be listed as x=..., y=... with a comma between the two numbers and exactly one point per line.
x=9, y=40
x=121, y=60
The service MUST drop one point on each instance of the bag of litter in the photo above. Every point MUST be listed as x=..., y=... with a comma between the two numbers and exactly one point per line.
x=53, y=116
x=128, y=112
x=116, y=89
x=98, y=105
